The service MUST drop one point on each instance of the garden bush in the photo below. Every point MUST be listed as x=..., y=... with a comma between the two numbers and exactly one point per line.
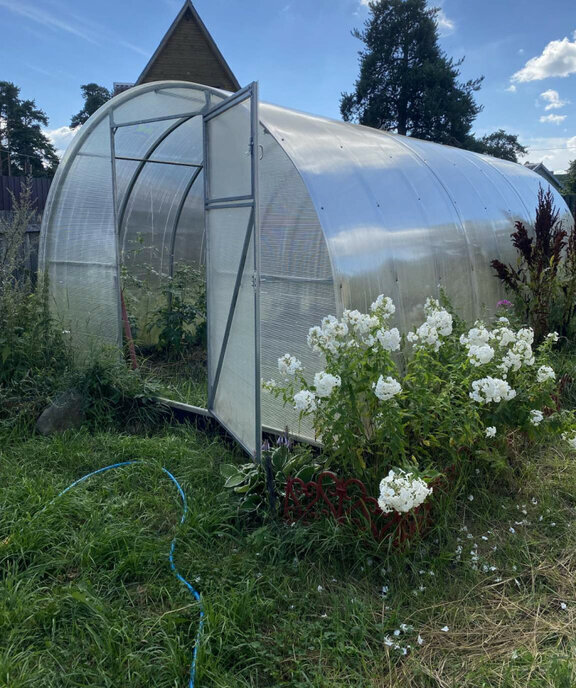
x=442, y=397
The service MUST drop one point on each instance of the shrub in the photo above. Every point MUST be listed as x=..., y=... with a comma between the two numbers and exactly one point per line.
x=441, y=396
x=544, y=281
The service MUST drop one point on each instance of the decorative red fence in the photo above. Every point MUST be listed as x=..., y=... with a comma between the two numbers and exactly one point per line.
x=348, y=501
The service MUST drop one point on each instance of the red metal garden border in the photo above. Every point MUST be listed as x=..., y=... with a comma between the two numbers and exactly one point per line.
x=348, y=501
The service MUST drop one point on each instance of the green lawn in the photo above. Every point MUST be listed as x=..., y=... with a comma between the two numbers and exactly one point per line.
x=87, y=597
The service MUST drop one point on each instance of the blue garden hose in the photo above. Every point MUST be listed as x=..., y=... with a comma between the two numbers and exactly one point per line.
x=191, y=588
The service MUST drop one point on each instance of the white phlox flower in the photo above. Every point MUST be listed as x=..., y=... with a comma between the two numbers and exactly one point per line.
x=490, y=431
x=545, y=373
x=288, y=365
x=536, y=417
x=438, y=323
x=503, y=336
x=305, y=401
x=552, y=336
x=325, y=383
x=570, y=438
x=384, y=306
x=389, y=339
x=476, y=336
x=402, y=492
x=491, y=389
x=386, y=388
x=480, y=355
x=361, y=324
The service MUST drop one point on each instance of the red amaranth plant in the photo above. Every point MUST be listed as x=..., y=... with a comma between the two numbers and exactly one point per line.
x=544, y=281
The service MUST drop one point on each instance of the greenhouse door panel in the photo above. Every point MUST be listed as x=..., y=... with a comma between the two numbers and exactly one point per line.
x=232, y=266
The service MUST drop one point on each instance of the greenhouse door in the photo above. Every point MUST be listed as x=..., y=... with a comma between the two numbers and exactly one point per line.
x=232, y=266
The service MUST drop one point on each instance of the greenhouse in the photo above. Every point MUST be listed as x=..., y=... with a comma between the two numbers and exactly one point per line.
x=295, y=216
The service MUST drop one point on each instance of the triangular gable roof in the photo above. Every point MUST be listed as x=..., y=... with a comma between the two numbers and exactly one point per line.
x=541, y=169
x=188, y=53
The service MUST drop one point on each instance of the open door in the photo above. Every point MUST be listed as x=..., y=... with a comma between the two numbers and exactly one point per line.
x=231, y=154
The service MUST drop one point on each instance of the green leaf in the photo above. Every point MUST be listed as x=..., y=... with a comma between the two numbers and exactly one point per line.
x=227, y=470
x=235, y=480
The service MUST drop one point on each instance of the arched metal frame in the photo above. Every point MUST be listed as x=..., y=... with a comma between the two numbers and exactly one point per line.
x=348, y=212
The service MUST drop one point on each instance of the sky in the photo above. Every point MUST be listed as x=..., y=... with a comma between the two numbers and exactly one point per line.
x=303, y=55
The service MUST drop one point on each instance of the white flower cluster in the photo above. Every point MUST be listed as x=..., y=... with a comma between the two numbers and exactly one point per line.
x=536, y=417
x=305, y=401
x=570, y=438
x=402, y=492
x=513, y=349
x=288, y=365
x=356, y=329
x=438, y=323
x=491, y=389
x=361, y=324
x=545, y=373
x=389, y=339
x=386, y=388
x=325, y=383
x=490, y=431
x=384, y=306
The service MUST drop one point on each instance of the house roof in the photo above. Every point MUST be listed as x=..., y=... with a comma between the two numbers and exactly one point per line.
x=541, y=169
x=189, y=53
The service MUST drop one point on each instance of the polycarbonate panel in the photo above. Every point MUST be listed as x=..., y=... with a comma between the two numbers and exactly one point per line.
x=185, y=144
x=229, y=140
x=234, y=402
x=297, y=289
x=135, y=141
x=189, y=244
x=150, y=217
x=79, y=246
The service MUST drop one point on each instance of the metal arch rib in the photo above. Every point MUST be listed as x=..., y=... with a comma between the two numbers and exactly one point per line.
x=138, y=171
x=185, y=194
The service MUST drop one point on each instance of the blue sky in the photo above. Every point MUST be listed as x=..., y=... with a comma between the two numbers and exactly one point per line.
x=303, y=55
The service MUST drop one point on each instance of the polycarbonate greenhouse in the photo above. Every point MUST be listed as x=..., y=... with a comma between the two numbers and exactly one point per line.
x=295, y=216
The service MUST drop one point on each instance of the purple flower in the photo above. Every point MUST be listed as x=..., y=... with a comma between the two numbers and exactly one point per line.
x=504, y=304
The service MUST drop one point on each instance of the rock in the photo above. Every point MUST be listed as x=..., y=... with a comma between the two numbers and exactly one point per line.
x=64, y=413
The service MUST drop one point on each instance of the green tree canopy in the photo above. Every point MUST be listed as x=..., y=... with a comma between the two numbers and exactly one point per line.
x=24, y=148
x=570, y=181
x=409, y=85
x=94, y=97
x=498, y=144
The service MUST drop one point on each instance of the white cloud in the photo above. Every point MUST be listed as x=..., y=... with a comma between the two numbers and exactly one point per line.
x=445, y=24
x=557, y=59
x=61, y=138
x=553, y=119
x=553, y=99
x=511, y=88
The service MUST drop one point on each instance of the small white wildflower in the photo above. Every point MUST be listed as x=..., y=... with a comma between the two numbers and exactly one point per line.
x=553, y=336
x=563, y=605
x=490, y=431
x=420, y=640
x=470, y=498
x=570, y=438
x=445, y=629
x=480, y=355
x=511, y=530
x=536, y=417
x=386, y=388
x=320, y=588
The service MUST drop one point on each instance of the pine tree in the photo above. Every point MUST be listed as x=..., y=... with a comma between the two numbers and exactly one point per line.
x=94, y=97
x=24, y=148
x=407, y=83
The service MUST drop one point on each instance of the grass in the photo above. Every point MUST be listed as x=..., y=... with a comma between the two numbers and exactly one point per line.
x=87, y=597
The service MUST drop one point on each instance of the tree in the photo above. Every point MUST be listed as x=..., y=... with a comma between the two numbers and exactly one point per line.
x=24, y=148
x=499, y=144
x=409, y=85
x=94, y=97
x=569, y=185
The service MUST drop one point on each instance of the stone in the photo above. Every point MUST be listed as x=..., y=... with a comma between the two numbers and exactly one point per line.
x=67, y=411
